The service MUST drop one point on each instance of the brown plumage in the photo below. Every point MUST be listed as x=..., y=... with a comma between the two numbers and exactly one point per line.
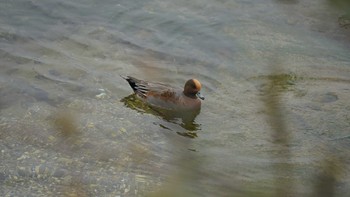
x=167, y=97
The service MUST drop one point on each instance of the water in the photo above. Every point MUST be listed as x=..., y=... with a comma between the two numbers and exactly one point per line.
x=65, y=131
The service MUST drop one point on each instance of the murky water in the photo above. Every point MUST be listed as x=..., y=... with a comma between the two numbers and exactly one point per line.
x=66, y=130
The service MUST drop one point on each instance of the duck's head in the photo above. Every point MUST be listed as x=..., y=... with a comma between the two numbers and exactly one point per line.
x=192, y=89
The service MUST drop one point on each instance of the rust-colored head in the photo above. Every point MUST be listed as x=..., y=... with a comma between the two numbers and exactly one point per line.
x=192, y=89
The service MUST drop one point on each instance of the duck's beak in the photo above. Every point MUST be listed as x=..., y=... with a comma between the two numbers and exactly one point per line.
x=199, y=95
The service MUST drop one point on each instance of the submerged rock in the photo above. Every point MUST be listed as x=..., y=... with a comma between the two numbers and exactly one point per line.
x=329, y=97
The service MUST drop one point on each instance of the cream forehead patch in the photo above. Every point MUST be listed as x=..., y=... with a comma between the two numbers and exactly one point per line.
x=197, y=84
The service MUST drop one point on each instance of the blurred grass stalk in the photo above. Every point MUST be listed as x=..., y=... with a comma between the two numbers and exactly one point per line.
x=326, y=179
x=341, y=4
x=280, y=136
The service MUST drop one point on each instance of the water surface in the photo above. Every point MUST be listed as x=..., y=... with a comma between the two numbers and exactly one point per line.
x=64, y=128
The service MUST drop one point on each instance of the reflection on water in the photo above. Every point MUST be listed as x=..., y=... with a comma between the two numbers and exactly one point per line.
x=185, y=119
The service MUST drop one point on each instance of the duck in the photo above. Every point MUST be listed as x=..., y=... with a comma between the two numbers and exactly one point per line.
x=167, y=97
